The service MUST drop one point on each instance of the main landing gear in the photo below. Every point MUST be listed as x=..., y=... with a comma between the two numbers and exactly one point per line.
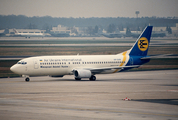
x=77, y=78
x=92, y=78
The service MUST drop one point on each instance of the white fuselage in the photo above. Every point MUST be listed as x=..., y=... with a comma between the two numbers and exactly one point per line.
x=64, y=65
x=30, y=34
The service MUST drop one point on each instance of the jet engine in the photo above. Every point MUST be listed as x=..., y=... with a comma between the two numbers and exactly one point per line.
x=82, y=74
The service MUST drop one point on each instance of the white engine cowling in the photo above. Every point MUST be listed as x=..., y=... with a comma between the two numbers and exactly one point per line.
x=82, y=73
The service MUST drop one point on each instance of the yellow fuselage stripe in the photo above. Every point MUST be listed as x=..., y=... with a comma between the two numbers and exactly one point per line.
x=123, y=61
x=124, y=58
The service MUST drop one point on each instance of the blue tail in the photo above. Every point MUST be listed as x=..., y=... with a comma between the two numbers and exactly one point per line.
x=140, y=48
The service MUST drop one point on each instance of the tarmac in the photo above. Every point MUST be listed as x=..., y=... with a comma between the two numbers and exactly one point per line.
x=153, y=95
x=86, y=42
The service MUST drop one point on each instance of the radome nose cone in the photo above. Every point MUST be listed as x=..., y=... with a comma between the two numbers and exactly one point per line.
x=13, y=69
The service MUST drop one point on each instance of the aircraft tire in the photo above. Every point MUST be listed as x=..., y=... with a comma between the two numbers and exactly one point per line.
x=92, y=78
x=27, y=79
x=77, y=78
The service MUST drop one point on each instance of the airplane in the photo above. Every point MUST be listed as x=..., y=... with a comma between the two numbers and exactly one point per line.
x=28, y=35
x=113, y=35
x=116, y=34
x=86, y=66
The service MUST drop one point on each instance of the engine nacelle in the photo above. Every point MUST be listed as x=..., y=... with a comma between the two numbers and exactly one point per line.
x=82, y=73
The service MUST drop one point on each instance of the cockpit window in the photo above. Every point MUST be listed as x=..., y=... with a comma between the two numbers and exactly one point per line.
x=22, y=62
x=19, y=62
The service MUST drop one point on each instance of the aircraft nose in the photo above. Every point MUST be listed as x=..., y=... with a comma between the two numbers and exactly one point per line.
x=18, y=69
x=13, y=68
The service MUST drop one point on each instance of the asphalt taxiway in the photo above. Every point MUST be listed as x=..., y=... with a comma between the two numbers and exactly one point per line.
x=153, y=94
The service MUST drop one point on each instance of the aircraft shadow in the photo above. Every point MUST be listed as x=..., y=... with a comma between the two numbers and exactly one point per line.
x=169, y=85
x=98, y=80
x=161, y=101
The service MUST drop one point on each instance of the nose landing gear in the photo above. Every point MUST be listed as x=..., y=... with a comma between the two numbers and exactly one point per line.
x=27, y=79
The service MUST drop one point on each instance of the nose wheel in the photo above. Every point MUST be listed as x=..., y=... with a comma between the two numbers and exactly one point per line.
x=27, y=79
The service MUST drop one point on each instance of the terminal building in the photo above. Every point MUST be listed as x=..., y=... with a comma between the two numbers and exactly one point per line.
x=60, y=31
x=167, y=26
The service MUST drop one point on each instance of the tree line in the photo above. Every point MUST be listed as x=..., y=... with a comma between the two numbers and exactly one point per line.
x=93, y=24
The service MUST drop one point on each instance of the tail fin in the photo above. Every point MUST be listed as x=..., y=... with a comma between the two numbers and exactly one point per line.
x=15, y=31
x=140, y=48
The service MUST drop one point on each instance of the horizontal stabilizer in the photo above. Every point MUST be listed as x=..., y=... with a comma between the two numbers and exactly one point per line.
x=164, y=56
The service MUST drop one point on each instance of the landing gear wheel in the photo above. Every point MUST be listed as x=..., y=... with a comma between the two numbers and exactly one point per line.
x=27, y=79
x=92, y=78
x=77, y=78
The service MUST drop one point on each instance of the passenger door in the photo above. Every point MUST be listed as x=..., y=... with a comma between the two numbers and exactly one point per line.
x=36, y=65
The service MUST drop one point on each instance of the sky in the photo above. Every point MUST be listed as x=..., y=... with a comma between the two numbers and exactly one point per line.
x=90, y=8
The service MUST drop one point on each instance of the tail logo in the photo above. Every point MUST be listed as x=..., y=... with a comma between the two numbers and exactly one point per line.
x=143, y=44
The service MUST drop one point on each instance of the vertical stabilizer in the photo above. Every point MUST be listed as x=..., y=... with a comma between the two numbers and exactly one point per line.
x=140, y=48
x=15, y=31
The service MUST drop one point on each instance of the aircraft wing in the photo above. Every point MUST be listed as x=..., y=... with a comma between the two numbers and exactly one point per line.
x=163, y=56
x=99, y=70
